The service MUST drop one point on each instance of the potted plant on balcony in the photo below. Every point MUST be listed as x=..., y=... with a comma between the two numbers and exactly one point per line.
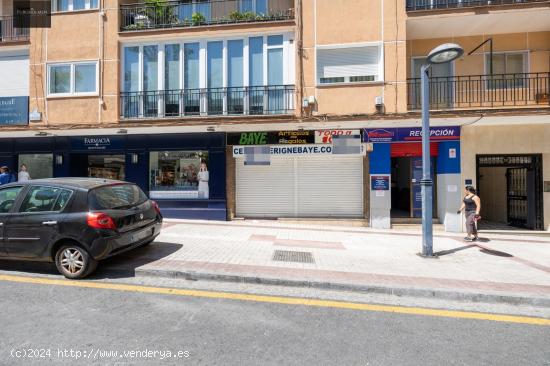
x=159, y=12
x=198, y=18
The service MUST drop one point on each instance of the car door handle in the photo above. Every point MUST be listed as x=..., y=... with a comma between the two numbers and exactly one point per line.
x=49, y=223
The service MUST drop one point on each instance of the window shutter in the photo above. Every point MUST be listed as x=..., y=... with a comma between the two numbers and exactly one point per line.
x=346, y=62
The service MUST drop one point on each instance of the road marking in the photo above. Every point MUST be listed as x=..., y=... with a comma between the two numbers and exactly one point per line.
x=280, y=300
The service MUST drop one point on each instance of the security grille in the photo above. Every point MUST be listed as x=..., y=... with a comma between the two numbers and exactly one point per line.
x=292, y=256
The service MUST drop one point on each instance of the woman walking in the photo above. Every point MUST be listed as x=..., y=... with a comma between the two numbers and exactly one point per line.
x=471, y=204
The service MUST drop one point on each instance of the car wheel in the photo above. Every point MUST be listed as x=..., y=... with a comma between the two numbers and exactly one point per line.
x=74, y=262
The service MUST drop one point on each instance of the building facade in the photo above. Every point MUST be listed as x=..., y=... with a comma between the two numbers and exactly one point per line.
x=297, y=108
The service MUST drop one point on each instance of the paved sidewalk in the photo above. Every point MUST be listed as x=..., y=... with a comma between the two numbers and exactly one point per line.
x=502, y=268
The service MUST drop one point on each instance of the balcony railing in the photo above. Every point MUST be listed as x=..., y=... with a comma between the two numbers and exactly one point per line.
x=187, y=13
x=254, y=100
x=483, y=91
x=10, y=33
x=453, y=4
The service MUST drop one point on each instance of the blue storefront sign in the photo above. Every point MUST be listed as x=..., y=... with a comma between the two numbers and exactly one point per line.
x=97, y=143
x=380, y=182
x=410, y=134
x=14, y=110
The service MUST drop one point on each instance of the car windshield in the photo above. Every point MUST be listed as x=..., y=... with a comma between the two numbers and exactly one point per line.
x=114, y=197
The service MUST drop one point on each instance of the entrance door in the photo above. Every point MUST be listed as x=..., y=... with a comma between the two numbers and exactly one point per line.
x=516, y=192
x=106, y=166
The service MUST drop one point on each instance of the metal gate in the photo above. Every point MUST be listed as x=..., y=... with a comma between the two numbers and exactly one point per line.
x=524, y=187
x=516, y=194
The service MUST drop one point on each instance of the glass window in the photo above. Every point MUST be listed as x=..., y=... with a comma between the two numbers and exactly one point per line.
x=235, y=63
x=62, y=5
x=275, y=66
x=171, y=67
x=131, y=69
x=60, y=79
x=85, y=78
x=507, y=70
x=117, y=196
x=191, y=70
x=79, y=4
x=215, y=64
x=7, y=198
x=179, y=174
x=254, y=6
x=150, y=68
x=44, y=199
x=256, y=63
x=36, y=166
x=275, y=40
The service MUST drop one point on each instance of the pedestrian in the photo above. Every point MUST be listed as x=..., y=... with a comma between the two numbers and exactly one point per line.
x=23, y=174
x=471, y=204
x=5, y=176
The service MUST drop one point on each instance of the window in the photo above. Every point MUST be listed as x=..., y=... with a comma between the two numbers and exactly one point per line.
x=38, y=165
x=117, y=196
x=215, y=77
x=71, y=5
x=508, y=69
x=186, y=9
x=256, y=61
x=253, y=6
x=45, y=199
x=349, y=64
x=7, y=198
x=72, y=79
x=179, y=174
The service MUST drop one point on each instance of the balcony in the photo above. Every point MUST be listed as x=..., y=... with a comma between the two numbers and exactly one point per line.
x=187, y=13
x=483, y=91
x=240, y=101
x=415, y=5
x=10, y=33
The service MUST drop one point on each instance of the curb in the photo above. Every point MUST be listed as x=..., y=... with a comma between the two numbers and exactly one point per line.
x=374, y=288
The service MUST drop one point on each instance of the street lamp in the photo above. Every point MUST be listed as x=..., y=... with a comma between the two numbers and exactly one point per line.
x=441, y=54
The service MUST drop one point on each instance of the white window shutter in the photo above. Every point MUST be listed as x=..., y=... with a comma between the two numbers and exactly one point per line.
x=350, y=61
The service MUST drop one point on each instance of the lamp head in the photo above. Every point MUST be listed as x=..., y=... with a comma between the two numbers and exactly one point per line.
x=446, y=52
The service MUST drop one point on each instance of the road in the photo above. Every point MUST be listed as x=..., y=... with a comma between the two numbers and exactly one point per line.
x=40, y=312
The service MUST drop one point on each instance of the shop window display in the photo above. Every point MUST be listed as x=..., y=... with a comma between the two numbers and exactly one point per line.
x=179, y=174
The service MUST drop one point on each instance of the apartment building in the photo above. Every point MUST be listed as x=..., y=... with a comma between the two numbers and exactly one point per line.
x=297, y=108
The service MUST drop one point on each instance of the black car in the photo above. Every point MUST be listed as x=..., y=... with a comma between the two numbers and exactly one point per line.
x=74, y=222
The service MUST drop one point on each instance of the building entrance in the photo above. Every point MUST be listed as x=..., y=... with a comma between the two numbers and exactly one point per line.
x=99, y=166
x=510, y=187
x=406, y=194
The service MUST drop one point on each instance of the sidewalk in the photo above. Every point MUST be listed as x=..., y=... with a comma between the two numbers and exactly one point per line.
x=502, y=268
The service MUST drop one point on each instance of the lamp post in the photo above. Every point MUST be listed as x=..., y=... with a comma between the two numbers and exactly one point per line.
x=441, y=54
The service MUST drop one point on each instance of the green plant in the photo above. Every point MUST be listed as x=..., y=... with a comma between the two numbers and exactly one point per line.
x=160, y=12
x=198, y=18
x=235, y=16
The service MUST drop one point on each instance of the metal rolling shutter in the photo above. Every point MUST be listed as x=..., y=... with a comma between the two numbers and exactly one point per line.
x=265, y=190
x=327, y=186
x=14, y=73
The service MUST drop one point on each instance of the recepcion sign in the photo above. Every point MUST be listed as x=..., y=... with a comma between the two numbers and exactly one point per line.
x=380, y=182
x=14, y=110
x=410, y=134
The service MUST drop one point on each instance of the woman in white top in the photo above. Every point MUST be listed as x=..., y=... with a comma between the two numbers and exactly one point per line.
x=23, y=175
x=203, y=177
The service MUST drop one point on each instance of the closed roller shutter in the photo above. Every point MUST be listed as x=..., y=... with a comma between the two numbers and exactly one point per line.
x=301, y=187
x=14, y=73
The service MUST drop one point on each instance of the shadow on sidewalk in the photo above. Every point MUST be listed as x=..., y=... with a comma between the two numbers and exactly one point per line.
x=120, y=266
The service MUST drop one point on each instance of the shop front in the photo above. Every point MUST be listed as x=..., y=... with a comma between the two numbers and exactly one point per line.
x=184, y=173
x=396, y=171
x=298, y=174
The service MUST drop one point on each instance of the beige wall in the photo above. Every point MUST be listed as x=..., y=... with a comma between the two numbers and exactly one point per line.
x=356, y=21
x=506, y=139
x=538, y=45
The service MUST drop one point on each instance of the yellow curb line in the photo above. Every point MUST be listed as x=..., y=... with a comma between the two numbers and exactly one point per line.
x=281, y=300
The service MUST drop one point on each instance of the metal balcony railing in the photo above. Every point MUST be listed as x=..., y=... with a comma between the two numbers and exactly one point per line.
x=253, y=100
x=9, y=32
x=483, y=91
x=453, y=4
x=189, y=13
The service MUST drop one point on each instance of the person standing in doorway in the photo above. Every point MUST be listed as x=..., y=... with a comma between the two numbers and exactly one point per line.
x=471, y=204
x=23, y=175
x=203, y=176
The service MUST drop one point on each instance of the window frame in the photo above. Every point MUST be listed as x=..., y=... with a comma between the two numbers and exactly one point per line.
x=70, y=7
x=380, y=77
x=72, y=79
x=31, y=187
x=524, y=53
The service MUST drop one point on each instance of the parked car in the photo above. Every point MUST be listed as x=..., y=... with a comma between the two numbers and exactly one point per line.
x=74, y=222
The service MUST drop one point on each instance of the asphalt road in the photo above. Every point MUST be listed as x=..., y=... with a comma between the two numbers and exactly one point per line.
x=60, y=323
